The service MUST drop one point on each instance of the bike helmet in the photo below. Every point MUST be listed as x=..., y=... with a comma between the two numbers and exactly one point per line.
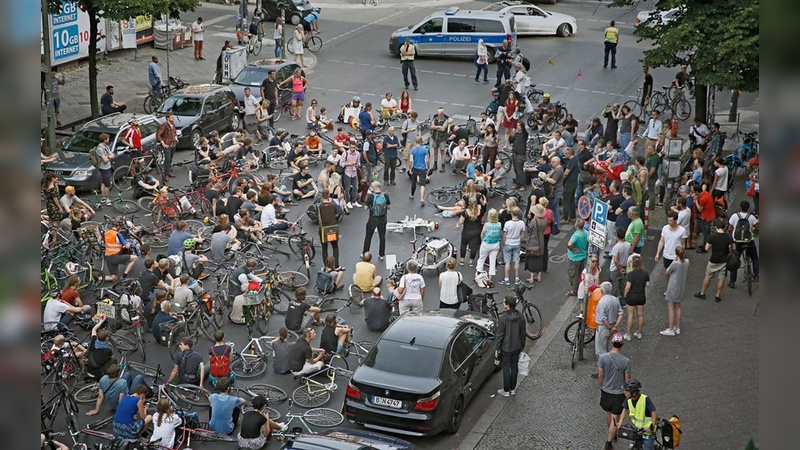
x=189, y=243
x=546, y=95
x=632, y=386
x=617, y=338
x=356, y=99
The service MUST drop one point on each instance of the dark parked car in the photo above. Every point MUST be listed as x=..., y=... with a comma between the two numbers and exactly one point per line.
x=201, y=109
x=73, y=166
x=347, y=439
x=256, y=72
x=422, y=372
x=293, y=15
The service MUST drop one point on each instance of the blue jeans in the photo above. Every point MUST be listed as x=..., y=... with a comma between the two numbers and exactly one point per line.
x=648, y=441
x=485, y=69
x=278, y=47
x=133, y=383
x=555, y=206
x=624, y=140
x=350, y=188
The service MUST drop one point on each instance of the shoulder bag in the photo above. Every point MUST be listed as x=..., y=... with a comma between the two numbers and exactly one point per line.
x=463, y=291
x=533, y=247
x=328, y=233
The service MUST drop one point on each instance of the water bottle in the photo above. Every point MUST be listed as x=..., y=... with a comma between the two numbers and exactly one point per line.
x=496, y=360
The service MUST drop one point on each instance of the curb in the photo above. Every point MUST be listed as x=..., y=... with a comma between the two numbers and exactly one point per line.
x=495, y=408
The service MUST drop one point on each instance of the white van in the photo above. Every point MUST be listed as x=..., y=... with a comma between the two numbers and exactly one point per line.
x=455, y=32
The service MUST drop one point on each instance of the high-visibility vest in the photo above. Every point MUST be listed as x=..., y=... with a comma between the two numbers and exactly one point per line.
x=409, y=57
x=639, y=418
x=113, y=247
x=612, y=35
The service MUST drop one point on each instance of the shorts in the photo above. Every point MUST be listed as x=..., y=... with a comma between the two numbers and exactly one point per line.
x=633, y=301
x=410, y=305
x=114, y=261
x=716, y=268
x=440, y=145
x=666, y=262
x=254, y=443
x=57, y=105
x=298, y=96
x=422, y=176
x=511, y=253
x=128, y=430
x=306, y=26
x=612, y=402
x=105, y=177
x=297, y=48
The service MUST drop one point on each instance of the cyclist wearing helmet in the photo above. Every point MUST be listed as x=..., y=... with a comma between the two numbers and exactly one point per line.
x=350, y=109
x=642, y=412
x=544, y=110
x=180, y=234
x=613, y=370
x=115, y=243
x=311, y=22
x=193, y=264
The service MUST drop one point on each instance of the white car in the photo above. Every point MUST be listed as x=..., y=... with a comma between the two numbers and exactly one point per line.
x=661, y=17
x=532, y=20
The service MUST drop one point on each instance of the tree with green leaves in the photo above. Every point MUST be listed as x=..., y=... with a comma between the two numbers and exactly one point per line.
x=119, y=10
x=718, y=38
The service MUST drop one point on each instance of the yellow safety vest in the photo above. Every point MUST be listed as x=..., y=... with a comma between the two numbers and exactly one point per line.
x=409, y=57
x=113, y=247
x=639, y=418
x=612, y=35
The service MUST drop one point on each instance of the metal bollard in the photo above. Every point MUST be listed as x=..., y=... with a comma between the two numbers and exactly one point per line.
x=646, y=215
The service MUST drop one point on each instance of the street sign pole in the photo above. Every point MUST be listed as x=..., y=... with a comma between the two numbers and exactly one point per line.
x=598, y=226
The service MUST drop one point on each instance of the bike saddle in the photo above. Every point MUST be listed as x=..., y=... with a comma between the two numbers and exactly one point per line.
x=492, y=292
x=666, y=87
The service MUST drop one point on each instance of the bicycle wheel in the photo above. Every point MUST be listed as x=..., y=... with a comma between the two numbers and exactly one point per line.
x=87, y=395
x=144, y=370
x=309, y=396
x=145, y=203
x=190, y=394
x=665, y=109
x=273, y=394
x=657, y=98
x=174, y=339
x=290, y=45
x=257, y=46
x=439, y=197
x=71, y=410
x=126, y=206
x=571, y=332
x=122, y=177
x=356, y=294
x=550, y=125
x=363, y=350
x=635, y=107
x=219, y=307
x=125, y=343
x=315, y=44
x=279, y=301
x=339, y=362
x=160, y=239
x=148, y=104
x=206, y=325
x=292, y=278
x=323, y=417
x=682, y=108
x=199, y=227
x=298, y=244
x=250, y=367
x=533, y=321
x=210, y=436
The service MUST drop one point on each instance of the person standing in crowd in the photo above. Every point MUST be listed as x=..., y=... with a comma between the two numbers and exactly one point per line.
x=510, y=344
x=556, y=180
x=654, y=128
x=519, y=154
x=419, y=161
x=55, y=94
x=369, y=155
x=391, y=147
x=610, y=40
x=613, y=370
x=197, y=37
x=408, y=135
x=626, y=126
x=378, y=204
x=720, y=183
x=411, y=289
x=512, y=242
x=697, y=133
x=704, y=203
x=154, y=75
x=328, y=214
x=638, y=281
x=491, y=234
x=269, y=92
x=647, y=89
x=448, y=285
x=277, y=35
x=720, y=243
x=471, y=233
x=676, y=274
x=672, y=236
x=743, y=239
x=439, y=132
x=482, y=61
x=503, y=59
x=536, y=247
x=167, y=136
x=619, y=263
x=590, y=276
x=612, y=117
x=299, y=39
x=408, y=52
x=351, y=160
x=634, y=234
x=578, y=247
x=608, y=315
x=572, y=172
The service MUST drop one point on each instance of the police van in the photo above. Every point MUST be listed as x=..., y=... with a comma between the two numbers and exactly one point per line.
x=455, y=32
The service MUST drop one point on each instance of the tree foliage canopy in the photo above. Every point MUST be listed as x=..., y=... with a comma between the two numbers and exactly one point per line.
x=722, y=34
x=123, y=9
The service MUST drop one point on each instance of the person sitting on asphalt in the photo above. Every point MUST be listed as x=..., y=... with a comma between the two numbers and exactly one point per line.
x=377, y=311
x=257, y=426
x=335, y=336
x=225, y=408
x=280, y=351
x=365, y=276
x=113, y=387
x=301, y=356
x=300, y=314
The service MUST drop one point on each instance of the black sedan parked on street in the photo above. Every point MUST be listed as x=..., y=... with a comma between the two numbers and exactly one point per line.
x=347, y=439
x=201, y=109
x=256, y=72
x=422, y=373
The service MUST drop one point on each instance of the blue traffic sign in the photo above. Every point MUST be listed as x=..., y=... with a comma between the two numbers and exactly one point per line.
x=584, y=207
x=600, y=212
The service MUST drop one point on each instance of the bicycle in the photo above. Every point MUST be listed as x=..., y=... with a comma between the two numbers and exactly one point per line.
x=312, y=393
x=116, y=201
x=284, y=103
x=531, y=313
x=253, y=364
x=629, y=432
x=134, y=323
x=576, y=332
x=313, y=44
x=359, y=348
x=676, y=107
x=183, y=204
x=443, y=195
x=200, y=321
x=302, y=245
x=87, y=394
x=155, y=99
x=236, y=175
x=318, y=417
x=433, y=254
x=122, y=178
x=254, y=43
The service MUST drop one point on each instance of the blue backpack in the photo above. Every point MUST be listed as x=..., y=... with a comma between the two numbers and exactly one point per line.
x=379, y=205
x=325, y=282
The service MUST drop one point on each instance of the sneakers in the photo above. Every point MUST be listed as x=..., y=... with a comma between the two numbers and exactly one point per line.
x=513, y=392
x=357, y=205
x=677, y=331
x=627, y=337
x=349, y=205
x=668, y=332
x=717, y=299
x=411, y=196
x=638, y=335
x=504, y=282
x=699, y=295
x=381, y=257
x=517, y=281
x=502, y=393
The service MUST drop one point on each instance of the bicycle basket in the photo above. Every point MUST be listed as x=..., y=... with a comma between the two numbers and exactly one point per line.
x=627, y=432
x=252, y=299
x=91, y=234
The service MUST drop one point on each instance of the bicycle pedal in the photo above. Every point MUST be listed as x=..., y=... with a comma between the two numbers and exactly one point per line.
x=331, y=386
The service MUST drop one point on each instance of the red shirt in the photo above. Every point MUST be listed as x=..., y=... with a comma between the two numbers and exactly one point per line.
x=134, y=137
x=405, y=104
x=342, y=138
x=69, y=295
x=707, y=203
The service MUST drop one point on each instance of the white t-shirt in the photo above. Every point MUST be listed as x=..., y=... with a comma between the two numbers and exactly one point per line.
x=413, y=284
x=164, y=434
x=198, y=29
x=554, y=145
x=722, y=179
x=67, y=201
x=268, y=216
x=458, y=153
x=513, y=230
x=277, y=32
x=53, y=311
x=448, y=293
x=672, y=239
x=388, y=104
x=250, y=104
x=684, y=217
x=736, y=217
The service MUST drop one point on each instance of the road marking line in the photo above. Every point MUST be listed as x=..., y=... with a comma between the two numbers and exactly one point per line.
x=458, y=104
x=443, y=73
x=475, y=106
x=599, y=92
x=460, y=75
x=225, y=34
x=334, y=60
x=562, y=87
x=351, y=92
x=581, y=90
x=365, y=65
x=335, y=90
x=380, y=66
x=420, y=100
x=440, y=103
x=427, y=71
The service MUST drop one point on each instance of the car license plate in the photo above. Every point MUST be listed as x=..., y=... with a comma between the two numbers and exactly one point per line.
x=387, y=402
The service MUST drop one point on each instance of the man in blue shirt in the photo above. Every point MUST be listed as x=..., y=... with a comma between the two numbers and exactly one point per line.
x=154, y=74
x=418, y=161
x=107, y=103
x=225, y=409
x=311, y=21
x=578, y=247
x=391, y=144
x=175, y=243
x=366, y=120
x=112, y=387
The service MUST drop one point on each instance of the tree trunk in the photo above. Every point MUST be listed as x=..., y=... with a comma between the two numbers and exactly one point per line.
x=93, y=92
x=48, y=93
x=701, y=102
x=734, y=105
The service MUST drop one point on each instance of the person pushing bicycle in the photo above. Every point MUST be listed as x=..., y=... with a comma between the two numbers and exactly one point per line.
x=642, y=412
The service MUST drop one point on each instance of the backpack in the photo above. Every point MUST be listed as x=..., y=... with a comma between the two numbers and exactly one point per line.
x=175, y=265
x=94, y=158
x=526, y=63
x=477, y=303
x=379, y=205
x=742, y=232
x=325, y=283
x=184, y=376
x=671, y=432
x=220, y=364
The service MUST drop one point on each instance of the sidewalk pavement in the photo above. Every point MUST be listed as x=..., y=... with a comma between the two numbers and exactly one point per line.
x=707, y=376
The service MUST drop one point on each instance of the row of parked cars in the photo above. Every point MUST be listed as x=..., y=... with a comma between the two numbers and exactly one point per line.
x=198, y=110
